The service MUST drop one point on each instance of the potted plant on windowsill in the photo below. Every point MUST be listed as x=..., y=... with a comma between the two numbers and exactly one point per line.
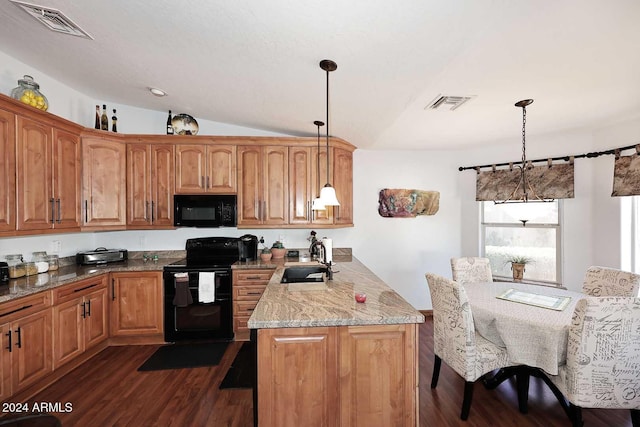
x=518, y=263
x=278, y=250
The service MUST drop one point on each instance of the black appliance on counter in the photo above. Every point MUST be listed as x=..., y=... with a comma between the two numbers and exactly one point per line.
x=204, y=210
x=101, y=256
x=201, y=320
x=4, y=272
x=248, y=247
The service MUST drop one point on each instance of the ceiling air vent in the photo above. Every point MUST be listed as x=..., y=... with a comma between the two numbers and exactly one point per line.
x=452, y=102
x=53, y=19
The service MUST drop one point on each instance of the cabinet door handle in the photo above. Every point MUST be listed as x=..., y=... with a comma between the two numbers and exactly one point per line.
x=202, y=181
x=337, y=210
x=153, y=208
x=253, y=277
x=146, y=211
x=19, y=332
x=86, y=211
x=59, y=203
x=208, y=182
x=113, y=289
x=8, y=334
x=84, y=311
x=53, y=210
x=89, y=308
x=254, y=293
x=264, y=211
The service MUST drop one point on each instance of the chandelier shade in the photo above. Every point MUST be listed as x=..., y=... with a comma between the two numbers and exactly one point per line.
x=317, y=204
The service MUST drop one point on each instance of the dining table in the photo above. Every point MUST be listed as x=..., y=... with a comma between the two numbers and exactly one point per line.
x=531, y=321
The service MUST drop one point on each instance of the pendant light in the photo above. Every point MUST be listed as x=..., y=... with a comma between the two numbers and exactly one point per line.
x=527, y=193
x=328, y=193
x=317, y=204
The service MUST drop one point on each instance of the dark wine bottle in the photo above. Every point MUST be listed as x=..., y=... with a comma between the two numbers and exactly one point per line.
x=97, y=117
x=169, y=125
x=114, y=121
x=104, y=120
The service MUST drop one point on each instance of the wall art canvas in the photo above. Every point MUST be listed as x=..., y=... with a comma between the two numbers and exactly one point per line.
x=405, y=203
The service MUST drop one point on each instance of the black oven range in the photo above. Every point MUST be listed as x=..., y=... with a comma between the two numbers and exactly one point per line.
x=197, y=291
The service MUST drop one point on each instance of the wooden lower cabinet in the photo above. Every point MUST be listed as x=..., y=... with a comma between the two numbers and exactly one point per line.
x=248, y=286
x=26, y=342
x=80, y=318
x=136, y=303
x=338, y=376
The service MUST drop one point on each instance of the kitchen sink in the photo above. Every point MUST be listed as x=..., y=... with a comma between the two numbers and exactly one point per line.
x=304, y=274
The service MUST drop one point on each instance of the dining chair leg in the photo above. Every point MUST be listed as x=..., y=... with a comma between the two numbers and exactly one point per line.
x=466, y=401
x=436, y=372
x=576, y=416
x=635, y=417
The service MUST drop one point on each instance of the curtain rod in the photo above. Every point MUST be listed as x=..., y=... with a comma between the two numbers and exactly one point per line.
x=565, y=158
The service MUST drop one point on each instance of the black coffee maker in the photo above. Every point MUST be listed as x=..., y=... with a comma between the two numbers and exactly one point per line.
x=248, y=247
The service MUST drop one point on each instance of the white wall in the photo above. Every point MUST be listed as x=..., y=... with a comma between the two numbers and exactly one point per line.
x=400, y=251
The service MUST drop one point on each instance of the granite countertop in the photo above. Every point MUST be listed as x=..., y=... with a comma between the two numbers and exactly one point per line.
x=27, y=285
x=288, y=306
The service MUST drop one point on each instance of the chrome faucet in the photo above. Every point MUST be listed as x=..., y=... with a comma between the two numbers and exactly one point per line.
x=320, y=251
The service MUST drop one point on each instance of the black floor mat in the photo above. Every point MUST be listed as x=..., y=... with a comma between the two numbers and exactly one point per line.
x=178, y=356
x=241, y=373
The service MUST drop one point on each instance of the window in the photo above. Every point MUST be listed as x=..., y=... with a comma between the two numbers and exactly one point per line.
x=529, y=229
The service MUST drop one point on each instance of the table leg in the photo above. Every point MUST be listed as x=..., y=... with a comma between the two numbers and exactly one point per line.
x=522, y=382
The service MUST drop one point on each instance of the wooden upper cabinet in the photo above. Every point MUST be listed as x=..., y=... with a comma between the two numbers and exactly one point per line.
x=67, y=175
x=343, y=184
x=263, y=185
x=7, y=172
x=103, y=182
x=205, y=169
x=221, y=169
x=305, y=181
x=150, y=183
x=48, y=177
x=35, y=204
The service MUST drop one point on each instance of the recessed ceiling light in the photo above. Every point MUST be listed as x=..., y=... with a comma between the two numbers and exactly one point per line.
x=157, y=92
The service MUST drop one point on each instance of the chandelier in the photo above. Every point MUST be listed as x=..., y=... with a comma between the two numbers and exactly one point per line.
x=524, y=191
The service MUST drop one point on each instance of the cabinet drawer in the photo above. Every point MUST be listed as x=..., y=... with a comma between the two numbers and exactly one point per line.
x=12, y=310
x=240, y=323
x=243, y=308
x=248, y=293
x=253, y=276
x=77, y=289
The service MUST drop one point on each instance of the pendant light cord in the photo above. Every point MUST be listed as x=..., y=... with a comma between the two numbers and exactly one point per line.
x=327, y=126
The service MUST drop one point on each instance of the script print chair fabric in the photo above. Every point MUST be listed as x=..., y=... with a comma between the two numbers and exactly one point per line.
x=603, y=358
x=455, y=340
x=609, y=282
x=471, y=270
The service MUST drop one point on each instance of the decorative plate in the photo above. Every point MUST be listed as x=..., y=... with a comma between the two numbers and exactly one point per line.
x=184, y=124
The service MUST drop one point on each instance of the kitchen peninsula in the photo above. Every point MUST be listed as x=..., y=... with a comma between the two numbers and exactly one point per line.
x=324, y=359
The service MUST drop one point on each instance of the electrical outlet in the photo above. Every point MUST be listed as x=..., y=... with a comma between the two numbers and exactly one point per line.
x=56, y=246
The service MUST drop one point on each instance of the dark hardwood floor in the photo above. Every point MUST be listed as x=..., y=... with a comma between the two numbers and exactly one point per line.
x=109, y=391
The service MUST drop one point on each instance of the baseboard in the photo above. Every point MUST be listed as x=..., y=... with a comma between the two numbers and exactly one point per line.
x=138, y=340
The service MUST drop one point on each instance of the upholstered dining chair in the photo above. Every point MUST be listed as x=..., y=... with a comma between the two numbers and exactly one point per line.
x=603, y=358
x=471, y=270
x=609, y=282
x=455, y=339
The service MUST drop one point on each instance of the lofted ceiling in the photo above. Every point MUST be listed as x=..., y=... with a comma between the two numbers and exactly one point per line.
x=255, y=63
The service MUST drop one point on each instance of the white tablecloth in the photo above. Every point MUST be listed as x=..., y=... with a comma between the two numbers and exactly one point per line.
x=533, y=336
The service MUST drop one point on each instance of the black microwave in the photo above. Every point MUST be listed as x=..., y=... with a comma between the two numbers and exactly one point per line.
x=204, y=210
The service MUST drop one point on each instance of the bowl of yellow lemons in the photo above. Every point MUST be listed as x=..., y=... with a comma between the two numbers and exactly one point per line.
x=28, y=92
